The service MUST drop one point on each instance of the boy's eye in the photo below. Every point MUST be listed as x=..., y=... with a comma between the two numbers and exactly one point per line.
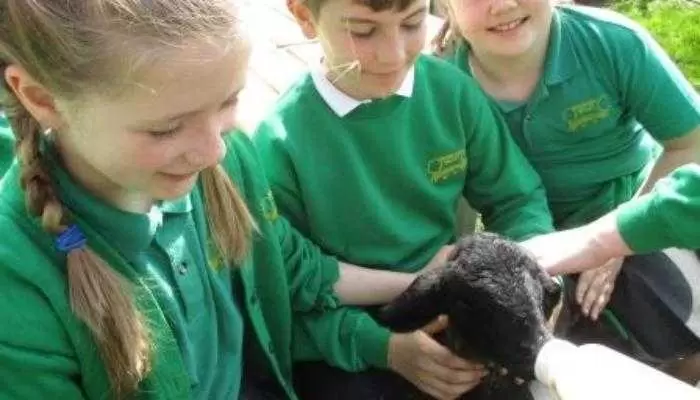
x=230, y=102
x=413, y=27
x=161, y=133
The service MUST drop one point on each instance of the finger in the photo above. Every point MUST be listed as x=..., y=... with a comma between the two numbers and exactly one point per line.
x=445, y=251
x=599, y=305
x=439, y=362
x=596, y=289
x=437, y=325
x=452, y=376
x=584, y=282
x=441, y=355
x=435, y=352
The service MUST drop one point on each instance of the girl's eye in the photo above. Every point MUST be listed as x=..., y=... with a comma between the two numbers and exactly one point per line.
x=165, y=132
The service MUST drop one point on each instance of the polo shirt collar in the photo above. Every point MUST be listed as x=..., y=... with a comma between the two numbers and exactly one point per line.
x=129, y=233
x=561, y=61
x=341, y=103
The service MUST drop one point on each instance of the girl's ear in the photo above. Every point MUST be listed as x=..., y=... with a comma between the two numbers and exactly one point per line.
x=35, y=98
x=303, y=16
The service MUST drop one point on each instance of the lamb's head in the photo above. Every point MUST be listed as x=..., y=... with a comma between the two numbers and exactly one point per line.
x=497, y=299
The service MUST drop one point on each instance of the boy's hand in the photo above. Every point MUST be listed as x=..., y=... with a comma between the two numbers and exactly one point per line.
x=440, y=258
x=430, y=366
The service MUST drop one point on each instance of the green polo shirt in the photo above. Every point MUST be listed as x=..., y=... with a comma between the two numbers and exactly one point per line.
x=165, y=247
x=607, y=91
x=7, y=144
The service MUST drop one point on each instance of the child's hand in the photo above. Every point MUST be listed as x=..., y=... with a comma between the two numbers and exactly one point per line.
x=440, y=258
x=595, y=287
x=430, y=366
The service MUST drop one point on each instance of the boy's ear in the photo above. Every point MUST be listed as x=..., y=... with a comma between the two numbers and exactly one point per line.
x=303, y=16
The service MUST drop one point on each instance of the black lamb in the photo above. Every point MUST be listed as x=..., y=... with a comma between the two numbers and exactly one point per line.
x=498, y=302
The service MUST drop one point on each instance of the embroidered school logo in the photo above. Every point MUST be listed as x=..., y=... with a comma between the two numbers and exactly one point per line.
x=587, y=113
x=269, y=207
x=445, y=166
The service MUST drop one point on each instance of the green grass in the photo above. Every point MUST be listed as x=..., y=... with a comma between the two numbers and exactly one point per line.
x=675, y=24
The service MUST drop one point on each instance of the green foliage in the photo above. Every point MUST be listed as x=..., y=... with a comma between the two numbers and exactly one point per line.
x=674, y=24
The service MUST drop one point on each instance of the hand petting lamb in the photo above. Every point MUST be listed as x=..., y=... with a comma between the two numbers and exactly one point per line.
x=497, y=300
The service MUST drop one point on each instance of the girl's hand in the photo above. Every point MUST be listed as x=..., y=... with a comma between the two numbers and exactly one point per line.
x=595, y=287
x=431, y=367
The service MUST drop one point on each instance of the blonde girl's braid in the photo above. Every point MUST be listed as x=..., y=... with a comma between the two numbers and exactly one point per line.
x=99, y=297
x=76, y=47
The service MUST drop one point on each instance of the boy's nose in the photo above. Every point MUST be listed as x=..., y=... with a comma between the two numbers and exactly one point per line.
x=392, y=51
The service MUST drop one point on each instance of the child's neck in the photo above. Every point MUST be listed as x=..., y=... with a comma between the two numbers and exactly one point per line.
x=508, y=78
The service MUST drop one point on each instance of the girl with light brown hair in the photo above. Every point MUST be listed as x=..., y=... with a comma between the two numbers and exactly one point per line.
x=140, y=258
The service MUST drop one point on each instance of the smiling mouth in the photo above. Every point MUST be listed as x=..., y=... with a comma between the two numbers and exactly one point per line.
x=509, y=26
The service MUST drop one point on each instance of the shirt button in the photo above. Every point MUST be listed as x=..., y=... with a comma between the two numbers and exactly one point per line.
x=182, y=268
x=254, y=299
x=271, y=348
x=528, y=117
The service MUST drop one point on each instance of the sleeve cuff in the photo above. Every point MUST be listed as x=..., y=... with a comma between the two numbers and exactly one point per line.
x=329, y=276
x=641, y=228
x=373, y=342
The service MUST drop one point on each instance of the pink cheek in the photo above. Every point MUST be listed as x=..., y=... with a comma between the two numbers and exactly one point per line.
x=150, y=158
x=356, y=50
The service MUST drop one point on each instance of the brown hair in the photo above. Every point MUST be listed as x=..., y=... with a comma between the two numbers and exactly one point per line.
x=376, y=5
x=69, y=47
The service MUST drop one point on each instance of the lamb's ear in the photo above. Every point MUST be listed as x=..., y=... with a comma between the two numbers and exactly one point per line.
x=416, y=306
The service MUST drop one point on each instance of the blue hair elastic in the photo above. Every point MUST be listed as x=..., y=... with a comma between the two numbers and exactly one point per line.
x=70, y=239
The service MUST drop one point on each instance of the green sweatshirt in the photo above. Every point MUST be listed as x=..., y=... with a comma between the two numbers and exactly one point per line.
x=669, y=216
x=380, y=185
x=49, y=352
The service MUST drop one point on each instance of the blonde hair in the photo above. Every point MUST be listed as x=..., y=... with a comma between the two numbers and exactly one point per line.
x=448, y=36
x=72, y=47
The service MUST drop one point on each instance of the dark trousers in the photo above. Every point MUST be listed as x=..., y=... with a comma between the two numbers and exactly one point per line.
x=652, y=299
x=259, y=389
x=319, y=381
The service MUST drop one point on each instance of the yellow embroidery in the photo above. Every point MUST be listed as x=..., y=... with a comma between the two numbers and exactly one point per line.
x=587, y=113
x=445, y=166
x=269, y=207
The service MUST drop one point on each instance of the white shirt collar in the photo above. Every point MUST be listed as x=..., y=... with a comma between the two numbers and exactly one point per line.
x=341, y=103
